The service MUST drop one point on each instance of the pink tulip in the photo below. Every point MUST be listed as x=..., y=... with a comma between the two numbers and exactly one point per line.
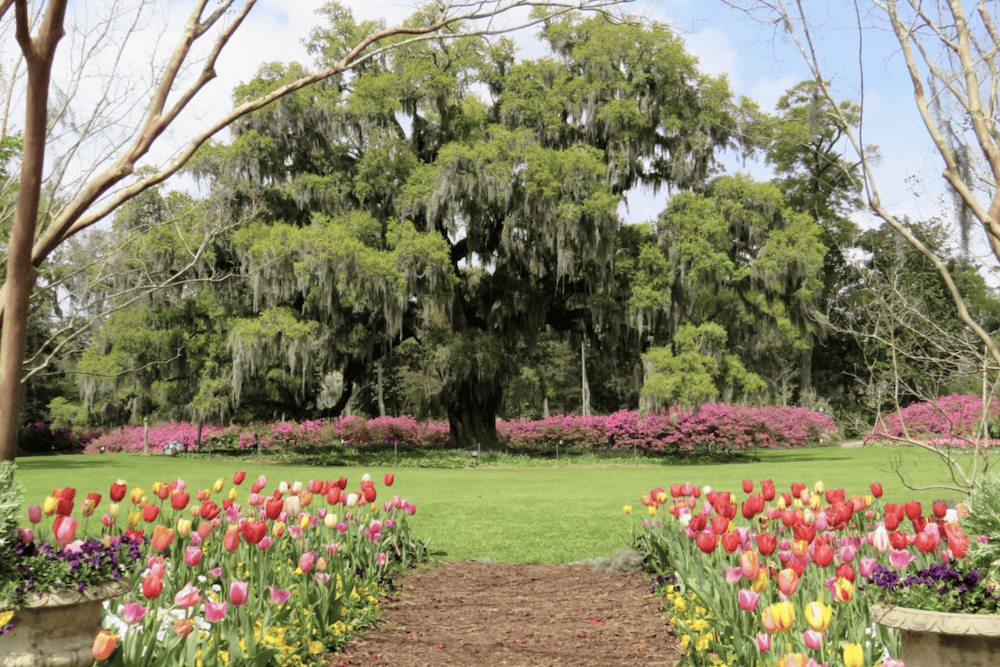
x=813, y=639
x=382, y=559
x=35, y=513
x=216, y=572
x=238, y=592
x=900, y=558
x=733, y=574
x=215, y=611
x=64, y=528
x=192, y=556
x=748, y=599
x=866, y=566
x=279, y=595
x=763, y=643
x=322, y=578
x=134, y=612
x=307, y=561
x=265, y=543
x=847, y=553
x=893, y=662
x=187, y=596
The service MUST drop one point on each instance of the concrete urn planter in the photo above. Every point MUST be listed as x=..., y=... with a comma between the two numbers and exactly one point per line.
x=58, y=629
x=939, y=639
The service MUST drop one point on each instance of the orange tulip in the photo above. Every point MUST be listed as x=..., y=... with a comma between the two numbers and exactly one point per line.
x=104, y=645
x=162, y=537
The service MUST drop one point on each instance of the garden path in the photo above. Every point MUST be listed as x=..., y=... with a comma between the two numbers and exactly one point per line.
x=486, y=614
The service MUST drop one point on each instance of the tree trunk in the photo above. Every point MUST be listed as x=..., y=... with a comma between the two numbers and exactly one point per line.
x=472, y=417
x=583, y=373
x=805, y=370
x=381, y=398
x=21, y=274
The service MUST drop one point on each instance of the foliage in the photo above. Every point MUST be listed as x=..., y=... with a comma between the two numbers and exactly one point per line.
x=983, y=519
x=939, y=587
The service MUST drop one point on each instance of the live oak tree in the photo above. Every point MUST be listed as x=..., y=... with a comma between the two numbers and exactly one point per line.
x=33, y=238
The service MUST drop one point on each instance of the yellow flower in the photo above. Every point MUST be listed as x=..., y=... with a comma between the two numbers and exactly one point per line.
x=5, y=617
x=627, y=509
x=651, y=510
x=818, y=615
x=854, y=655
x=217, y=487
x=818, y=487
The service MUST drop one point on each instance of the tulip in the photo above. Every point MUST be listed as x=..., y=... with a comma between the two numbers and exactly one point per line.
x=747, y=485
x=766, y=543
x=389, y=479
x=187, y=596
x=778, y=616
x=231, y=540
x=788, y=581
x=707, y=542
x=183, y=627
x=219, y=483
x=238, y=592
x=760, y=583
x=179, y=499
x=134, y=612
x=151, y=587
x=162, y=538
x=239, y=476
x=900, y=558
x=150, y=512
x=854, y=655
x=192, y=556
x=959, y=545
x=876, y=489
x=866, y=566
x=843, y=590
x=307, y=561
x=913, y=510
x=183, y=527
x=763, y=643
x=118, y=491
x=818, y=615
x=793, y=660
x=748, y=600
x=64, y=528
x=730, y=542
x=104, y=645
x=279, y=595
x=215, y=611
x=202, y=495
x=845, y=571
x=35, y=513
x=749, y=564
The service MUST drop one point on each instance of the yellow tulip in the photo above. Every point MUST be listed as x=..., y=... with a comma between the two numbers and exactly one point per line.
x=233, y=494
x=854, y=655
x=651, y=510
x=843, y=590
x=49, y=505
x=217, y=487
x=183, y=527
x=818, y=487
x=818, y=615
x=627, y=509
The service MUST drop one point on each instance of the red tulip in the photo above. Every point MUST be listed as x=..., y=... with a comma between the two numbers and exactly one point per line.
x=804, y=532
x=118, y=491
x=747, y=485
x=370, y=494
x=179, y=499
x=913, y=510
x=787, y=498
x=707, y=542
x=204, y=529
x=273, y=508
x=209, y=511
x=227, y=503
x=150, y=512
x=940, y=509
x=958, y=544
x=151, y=587
x=926, y=542
x=845, y=571
x=254, y=531
x=342, y=483
x=823, y=554
x=876, y=489
x=720, y=524
x=730, y=542
x=767, y=489
x=766, y=543
x=239, y=476
x=389, y=479
x=897, y=540
x=316, y=486
x=698, y=522
x=798, y=488
x=675, y=490
x=333, y=495
x=64, y=506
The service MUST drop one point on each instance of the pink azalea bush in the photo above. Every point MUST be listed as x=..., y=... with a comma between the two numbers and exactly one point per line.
x=949, y=419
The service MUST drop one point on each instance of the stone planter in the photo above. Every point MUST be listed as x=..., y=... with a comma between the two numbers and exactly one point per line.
x=939, y=639
x=58, y=629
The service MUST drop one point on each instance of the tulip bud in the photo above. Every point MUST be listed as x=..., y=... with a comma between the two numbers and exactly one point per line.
x=219, y=483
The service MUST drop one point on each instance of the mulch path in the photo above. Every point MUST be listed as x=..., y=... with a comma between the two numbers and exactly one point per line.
x=485, y=614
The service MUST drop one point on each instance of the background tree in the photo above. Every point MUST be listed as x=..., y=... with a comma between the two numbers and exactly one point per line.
x=111, y=187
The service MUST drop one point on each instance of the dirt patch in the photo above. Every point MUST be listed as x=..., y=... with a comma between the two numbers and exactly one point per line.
x=486, y=614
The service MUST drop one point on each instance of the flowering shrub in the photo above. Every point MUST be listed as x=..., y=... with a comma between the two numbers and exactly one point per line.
x=713, y=426
x=130, y=438
x=245, y=577
x=954, y=417
x=40, y=437
x=789, y=578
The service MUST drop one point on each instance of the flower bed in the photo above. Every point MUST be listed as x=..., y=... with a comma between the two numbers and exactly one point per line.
x=769, y=578
x=264, y=576
x=948, y=421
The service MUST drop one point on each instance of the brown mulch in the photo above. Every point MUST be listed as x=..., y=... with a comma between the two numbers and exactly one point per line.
x=481, y=615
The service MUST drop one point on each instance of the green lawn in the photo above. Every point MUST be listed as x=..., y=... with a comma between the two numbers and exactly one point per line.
x=543, y=515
